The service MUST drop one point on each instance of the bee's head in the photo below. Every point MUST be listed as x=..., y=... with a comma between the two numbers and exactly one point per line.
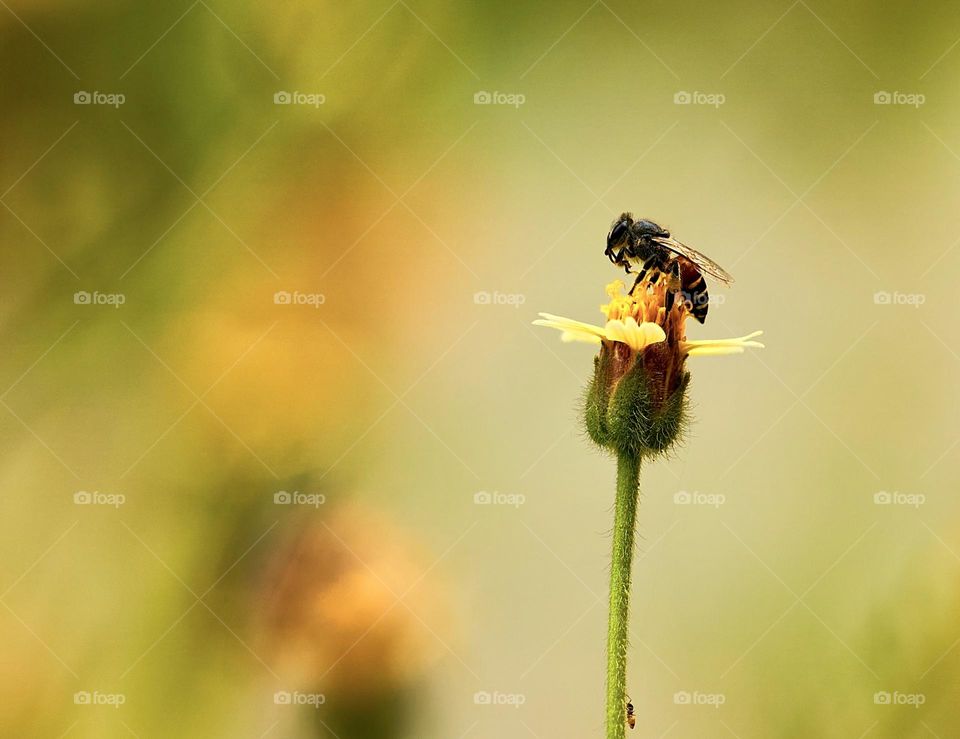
x=625, y=231
x=619, y=234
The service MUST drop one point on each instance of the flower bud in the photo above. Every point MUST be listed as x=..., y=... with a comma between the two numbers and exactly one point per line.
x=636, y=402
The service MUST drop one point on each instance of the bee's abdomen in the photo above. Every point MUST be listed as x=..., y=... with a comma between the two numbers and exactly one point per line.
x=694, y=289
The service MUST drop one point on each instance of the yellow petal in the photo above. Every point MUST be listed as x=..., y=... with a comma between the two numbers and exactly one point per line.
x=714, y=351
x=654, y=333
x=717, y=347
x=570, y=336
x=567, y=324
x=616, y=331
x=636, y=336
x=744, y=340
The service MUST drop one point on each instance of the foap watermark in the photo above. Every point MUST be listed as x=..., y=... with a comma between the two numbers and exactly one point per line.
x=284, y=297
x=913, y=99
x=496, y=698
x=895, y=497
x=714, y=99
x=482, y=97
x=495, y=497
x=83, y=297
x=884, y=297
x=96, y=698
x=696, y=300
x=113, y=99
x=485, y=297
x=314, y=99
x=896, y=698
x=296, y=698
x=697, y=698
x=295, y=497
x=95, y=497
x=695, y=497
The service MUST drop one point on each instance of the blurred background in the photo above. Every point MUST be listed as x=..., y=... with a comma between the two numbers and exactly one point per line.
x=284, y=457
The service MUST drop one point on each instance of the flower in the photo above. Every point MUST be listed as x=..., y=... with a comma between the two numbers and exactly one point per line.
x=636, y=401
x=622, y=325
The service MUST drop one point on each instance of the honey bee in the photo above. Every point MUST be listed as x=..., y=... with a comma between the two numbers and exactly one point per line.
x=648, y=246
x=631, y=718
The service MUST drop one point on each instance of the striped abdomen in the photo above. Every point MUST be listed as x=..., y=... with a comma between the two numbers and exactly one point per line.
x=694, y=289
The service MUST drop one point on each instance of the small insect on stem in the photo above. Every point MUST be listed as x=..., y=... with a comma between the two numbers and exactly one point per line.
x=631, y=718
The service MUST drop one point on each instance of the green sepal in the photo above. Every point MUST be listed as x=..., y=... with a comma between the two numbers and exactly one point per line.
x=628, y=416
x=597, y=400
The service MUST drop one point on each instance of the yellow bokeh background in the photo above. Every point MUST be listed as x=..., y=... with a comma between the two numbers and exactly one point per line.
x=418, y=234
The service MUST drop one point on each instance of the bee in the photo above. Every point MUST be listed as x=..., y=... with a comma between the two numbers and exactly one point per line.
x=648, y=246
x=631, y=718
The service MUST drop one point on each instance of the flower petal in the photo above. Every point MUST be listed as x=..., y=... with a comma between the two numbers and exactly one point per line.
x=717, y=347
x=568, y=324
x=569, y=336
x=654, y=332
x=572, y=330
x=636, y=336
x=616, y=330
x=714, y=351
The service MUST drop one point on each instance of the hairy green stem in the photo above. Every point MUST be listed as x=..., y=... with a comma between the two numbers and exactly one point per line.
x=624, y=526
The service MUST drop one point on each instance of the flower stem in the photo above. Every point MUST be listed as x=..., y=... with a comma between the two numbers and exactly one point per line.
x=624, y=524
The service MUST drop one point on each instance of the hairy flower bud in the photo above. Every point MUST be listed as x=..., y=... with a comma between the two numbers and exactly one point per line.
x=636, y=402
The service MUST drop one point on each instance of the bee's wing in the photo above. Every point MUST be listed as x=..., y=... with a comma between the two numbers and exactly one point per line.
x=703, y=262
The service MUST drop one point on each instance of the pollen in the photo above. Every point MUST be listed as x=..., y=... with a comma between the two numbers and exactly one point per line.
x=645, y=303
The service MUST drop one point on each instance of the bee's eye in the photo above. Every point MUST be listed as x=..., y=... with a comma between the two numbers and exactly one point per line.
x=617, y=233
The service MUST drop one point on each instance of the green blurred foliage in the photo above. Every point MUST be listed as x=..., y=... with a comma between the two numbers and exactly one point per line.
x=398, y=199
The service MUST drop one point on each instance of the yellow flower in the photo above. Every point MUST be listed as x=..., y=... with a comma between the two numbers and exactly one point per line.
x=636, y=403
x=623, y=312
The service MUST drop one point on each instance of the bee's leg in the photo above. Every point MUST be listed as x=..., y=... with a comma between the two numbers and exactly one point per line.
x=674, y=285
x=647, y=266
